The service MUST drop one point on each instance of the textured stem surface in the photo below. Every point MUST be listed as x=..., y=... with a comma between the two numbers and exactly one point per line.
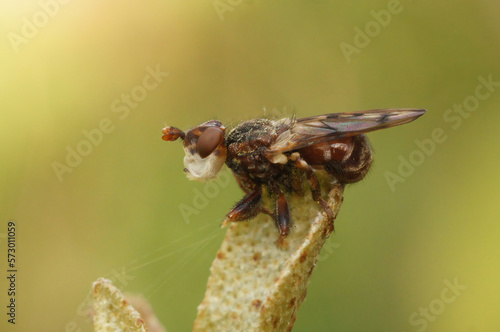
x=255, y=285
x=112, y=312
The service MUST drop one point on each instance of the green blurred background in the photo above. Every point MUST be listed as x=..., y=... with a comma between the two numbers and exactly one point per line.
x=117, y=213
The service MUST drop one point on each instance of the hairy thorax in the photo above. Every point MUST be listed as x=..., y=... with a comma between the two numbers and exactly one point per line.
x=247, y=144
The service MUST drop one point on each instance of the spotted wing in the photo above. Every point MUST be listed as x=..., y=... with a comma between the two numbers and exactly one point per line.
x=323, y=128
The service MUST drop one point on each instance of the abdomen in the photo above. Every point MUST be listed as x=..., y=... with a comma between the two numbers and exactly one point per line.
x=348, y=159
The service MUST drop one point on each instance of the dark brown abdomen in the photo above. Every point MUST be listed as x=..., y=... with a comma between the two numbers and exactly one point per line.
x=347, y=159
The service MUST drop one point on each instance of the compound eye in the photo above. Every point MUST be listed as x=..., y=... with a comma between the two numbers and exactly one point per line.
x=209, y=141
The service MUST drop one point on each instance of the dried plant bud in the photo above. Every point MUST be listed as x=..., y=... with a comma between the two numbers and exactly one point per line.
x=256, y=285
x=112, y=310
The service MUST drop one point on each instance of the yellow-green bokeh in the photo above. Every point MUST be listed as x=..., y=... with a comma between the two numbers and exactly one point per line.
x=119, y=208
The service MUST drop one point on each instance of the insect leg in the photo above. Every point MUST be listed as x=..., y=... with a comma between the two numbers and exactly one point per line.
x=313, y=184
x=247, y=208
x=283, y=220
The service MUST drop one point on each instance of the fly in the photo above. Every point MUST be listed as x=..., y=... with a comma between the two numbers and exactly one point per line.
x=273, y=156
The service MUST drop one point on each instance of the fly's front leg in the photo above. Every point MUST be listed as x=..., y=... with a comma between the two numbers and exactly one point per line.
x=313, y=184
x=246, y=208
x=283, y=219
